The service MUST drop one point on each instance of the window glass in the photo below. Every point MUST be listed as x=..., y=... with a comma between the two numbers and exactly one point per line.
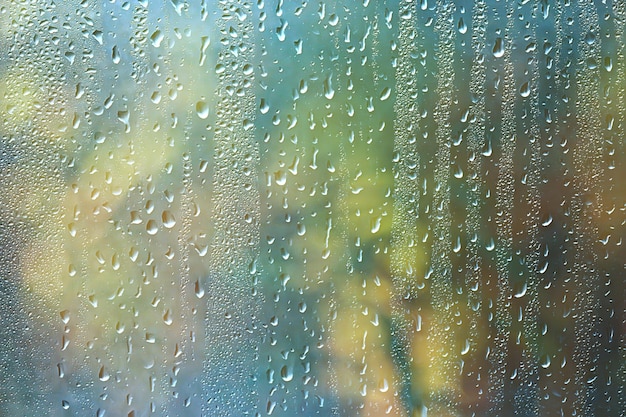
x=312, y=208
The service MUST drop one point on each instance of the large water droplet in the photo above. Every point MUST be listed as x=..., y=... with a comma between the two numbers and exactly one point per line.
x=202, y=109
x=103, y=375
x=168, y=219
x=498, y=48
x=151, y=227
x=525, y=90
x=286, y=373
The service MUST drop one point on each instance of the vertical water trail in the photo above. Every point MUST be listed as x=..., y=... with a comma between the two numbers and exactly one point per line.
x=503, y=245
x=370, y=184
x=476, y=346
x=587, y=208
x=444, y=361
x=231, y=316
x=618, y=288
x=550, y=253
x=607, y=380
x=344, y=216
x=525, y=291
x=405, y=256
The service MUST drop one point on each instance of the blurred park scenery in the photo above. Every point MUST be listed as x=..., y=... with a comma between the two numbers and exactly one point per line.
x=312, y=208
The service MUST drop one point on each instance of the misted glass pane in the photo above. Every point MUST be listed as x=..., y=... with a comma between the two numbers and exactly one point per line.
x=309, y=208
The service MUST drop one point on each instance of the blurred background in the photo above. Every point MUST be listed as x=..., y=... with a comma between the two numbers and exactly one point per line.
x=299, y=208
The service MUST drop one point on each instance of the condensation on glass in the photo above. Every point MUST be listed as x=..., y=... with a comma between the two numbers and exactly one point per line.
x=310, y=208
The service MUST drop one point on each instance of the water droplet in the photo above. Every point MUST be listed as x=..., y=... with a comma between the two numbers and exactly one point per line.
x=198, y=289
x=99, y=137
x=156, y=38
x=151, y=227
x=202, y=109
x=466, y=347
x=115, y=55
x=103, y=375
x=167, y=317
x=263, y=106
x=457, y=245
x=458, y=172
x=462, y=27
x=120, y=327
x=280, y=177
x=329, y=92
x=547, y=220
x=270, y=407
x=375, y=224
x=286, y=373
x=590, y=38
x=498, y=48
x=280, y=30
x=525, y=89
x=168, y=219
x=206, y=41
x=522, y=291
x=384, y=95
x=487, y=149
x=383, y=385
x=65, y=316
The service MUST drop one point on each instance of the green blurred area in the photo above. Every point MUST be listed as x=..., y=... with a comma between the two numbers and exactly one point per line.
x=289, y=208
